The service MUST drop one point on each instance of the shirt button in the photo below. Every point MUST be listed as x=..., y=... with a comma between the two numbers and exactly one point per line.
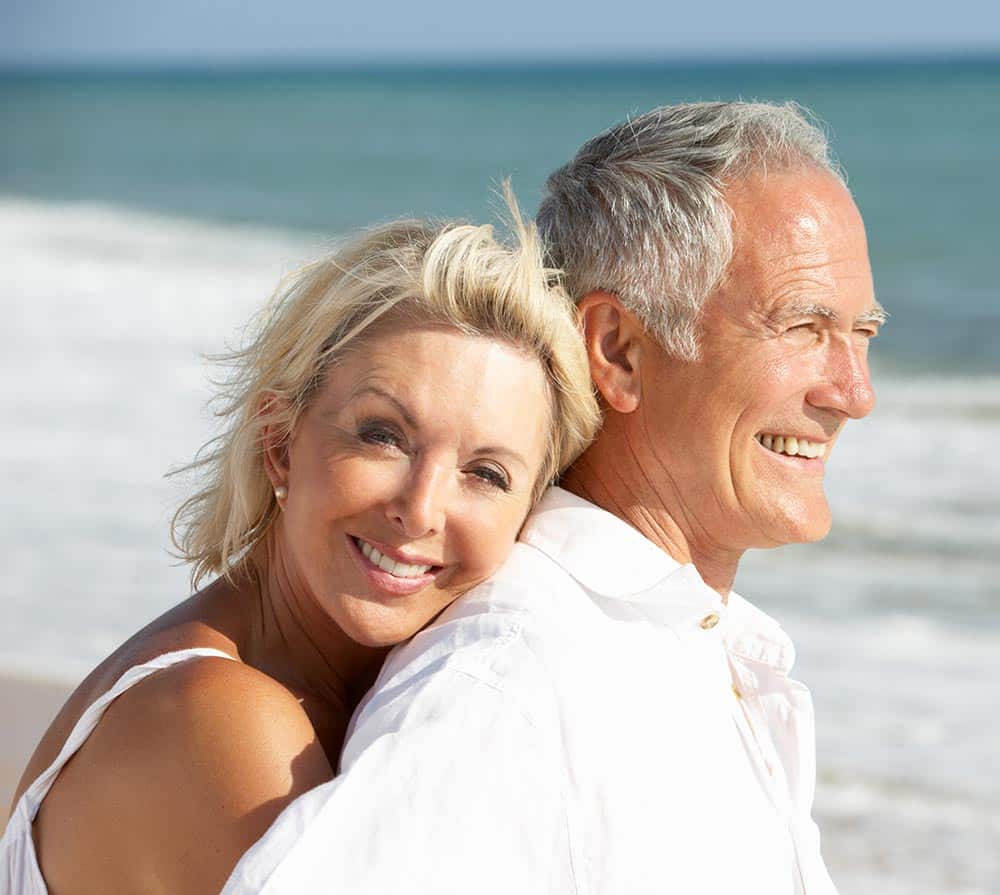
x=709, y=621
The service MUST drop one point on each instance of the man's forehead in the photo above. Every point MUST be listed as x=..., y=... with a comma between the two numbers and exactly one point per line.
x=791, y=211
x=799, y=241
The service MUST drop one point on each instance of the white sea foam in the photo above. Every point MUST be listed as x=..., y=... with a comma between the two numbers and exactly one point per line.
x=896, y=616
x=107, y=315
x=923, y=468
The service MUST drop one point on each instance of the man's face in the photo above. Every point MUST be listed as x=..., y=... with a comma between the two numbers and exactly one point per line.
x=783, y=365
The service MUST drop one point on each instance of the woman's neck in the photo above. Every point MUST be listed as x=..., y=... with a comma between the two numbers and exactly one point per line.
x=291, y=639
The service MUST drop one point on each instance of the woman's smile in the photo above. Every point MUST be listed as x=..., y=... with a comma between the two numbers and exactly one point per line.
x=388, y=571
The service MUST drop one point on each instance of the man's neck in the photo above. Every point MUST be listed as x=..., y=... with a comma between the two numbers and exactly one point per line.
x=611, y=476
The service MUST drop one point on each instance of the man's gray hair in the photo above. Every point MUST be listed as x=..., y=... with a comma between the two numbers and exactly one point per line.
x=640, y=212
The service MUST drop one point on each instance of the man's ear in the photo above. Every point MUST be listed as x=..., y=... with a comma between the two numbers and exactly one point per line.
x=614, y=339
x=274, y=438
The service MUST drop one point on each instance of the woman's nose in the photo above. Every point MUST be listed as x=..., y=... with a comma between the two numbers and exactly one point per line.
x=420, y=506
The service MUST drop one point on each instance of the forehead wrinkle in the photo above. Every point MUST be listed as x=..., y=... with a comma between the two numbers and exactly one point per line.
x=795, y=293
x=781, y=270
x=810, y=273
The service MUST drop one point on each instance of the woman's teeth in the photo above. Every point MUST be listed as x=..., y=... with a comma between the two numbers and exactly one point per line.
x=792, y=446
x=399, y=569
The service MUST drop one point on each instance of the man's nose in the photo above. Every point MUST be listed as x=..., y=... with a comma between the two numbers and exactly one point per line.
x=420, y=506
x=845, y=384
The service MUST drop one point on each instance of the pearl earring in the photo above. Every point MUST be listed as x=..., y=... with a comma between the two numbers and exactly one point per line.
x=281, y=492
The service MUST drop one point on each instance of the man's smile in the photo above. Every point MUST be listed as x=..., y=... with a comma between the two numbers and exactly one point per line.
x=792, y=446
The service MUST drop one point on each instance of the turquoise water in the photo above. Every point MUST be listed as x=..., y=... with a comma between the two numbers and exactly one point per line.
x=328, y=151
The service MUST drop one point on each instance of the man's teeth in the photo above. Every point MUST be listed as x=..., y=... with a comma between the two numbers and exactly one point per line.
x=399, y=569
x=792, y=446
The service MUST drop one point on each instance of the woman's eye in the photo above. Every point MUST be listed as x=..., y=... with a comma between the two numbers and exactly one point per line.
x=381, y=435
x=493, y=477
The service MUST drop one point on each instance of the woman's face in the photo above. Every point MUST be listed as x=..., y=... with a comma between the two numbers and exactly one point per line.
x=409, y=477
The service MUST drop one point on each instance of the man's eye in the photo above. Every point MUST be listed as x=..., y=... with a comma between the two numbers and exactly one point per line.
x=495, y=478
x=802, y=332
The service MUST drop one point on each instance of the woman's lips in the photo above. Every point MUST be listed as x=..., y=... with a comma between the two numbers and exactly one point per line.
x=411, y=577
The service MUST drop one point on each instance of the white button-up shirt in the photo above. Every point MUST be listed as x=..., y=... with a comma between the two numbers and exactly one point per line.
x=594, y=719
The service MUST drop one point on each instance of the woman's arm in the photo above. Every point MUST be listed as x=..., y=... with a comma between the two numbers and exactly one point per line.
x=184, y=772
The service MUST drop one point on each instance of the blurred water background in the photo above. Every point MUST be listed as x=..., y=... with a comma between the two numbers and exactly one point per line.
x=144, y=216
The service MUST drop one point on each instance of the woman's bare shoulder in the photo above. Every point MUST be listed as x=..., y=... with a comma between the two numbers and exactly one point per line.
x=185, y=771
x=183, y=627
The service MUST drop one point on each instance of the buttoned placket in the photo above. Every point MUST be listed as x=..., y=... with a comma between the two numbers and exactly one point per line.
x=754, y=731
x=759, y=747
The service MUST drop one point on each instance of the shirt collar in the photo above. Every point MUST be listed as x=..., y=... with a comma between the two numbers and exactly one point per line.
x=612, y=560
x=754, y=635
x=604, y=553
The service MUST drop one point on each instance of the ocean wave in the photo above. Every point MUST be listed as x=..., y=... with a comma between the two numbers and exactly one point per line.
x=111, y=274
x=884, y=837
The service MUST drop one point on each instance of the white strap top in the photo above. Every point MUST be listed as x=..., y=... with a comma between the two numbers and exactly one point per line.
x=19, y=870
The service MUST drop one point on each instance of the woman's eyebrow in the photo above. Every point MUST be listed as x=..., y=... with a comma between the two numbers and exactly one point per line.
x=499, y=451
x=388, y=396
x=492, y=450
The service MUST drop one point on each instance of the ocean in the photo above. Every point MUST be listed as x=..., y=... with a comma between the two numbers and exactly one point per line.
x=145, y=215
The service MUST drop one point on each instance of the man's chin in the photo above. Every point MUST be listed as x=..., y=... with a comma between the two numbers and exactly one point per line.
x=807, y=531
x=798, y=525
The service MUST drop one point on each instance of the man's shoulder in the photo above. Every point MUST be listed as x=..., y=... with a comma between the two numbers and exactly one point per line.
x=530, y=601
x=496, y=644
x=531, y=583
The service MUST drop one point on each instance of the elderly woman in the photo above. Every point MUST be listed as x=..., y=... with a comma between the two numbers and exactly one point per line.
x=402, y=407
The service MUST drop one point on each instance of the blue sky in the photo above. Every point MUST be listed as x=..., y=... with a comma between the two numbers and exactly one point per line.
x=122, y=31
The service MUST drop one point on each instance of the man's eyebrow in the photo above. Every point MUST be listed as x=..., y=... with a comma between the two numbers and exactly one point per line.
x=800, y=309
x=876, y=314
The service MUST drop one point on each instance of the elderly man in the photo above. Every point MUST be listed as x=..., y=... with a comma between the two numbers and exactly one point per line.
x=606, y=715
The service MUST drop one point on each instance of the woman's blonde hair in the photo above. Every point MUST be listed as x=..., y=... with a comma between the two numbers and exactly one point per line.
x=452, y=274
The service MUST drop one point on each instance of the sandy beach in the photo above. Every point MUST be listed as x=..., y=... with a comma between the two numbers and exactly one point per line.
x=27, y=705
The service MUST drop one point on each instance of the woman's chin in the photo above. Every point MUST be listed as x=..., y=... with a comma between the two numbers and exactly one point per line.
x=376, y=625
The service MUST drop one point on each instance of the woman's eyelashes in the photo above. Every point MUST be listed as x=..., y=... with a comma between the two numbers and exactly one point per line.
x=491, y=476
x=381, y=433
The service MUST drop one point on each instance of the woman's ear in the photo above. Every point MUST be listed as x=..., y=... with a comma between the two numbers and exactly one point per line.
x=614, y=339
x=274, y=438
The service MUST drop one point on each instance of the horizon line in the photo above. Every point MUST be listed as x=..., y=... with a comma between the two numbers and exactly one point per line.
x=251, y=64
